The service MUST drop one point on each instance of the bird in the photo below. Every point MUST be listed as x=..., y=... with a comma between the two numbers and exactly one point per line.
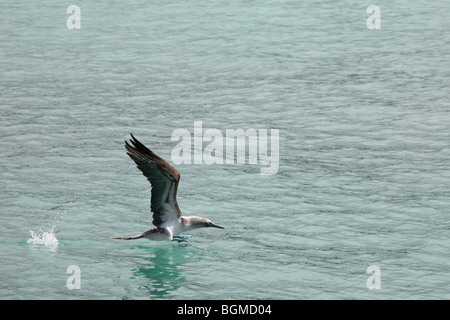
x=168, y=221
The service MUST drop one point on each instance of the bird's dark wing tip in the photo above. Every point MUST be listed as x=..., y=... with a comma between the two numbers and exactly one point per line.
x=135, y=142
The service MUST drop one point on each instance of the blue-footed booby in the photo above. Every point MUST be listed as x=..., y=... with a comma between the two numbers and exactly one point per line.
x=164, y=178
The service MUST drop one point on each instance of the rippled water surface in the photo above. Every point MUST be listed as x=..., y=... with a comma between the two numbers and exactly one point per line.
x=363, y=118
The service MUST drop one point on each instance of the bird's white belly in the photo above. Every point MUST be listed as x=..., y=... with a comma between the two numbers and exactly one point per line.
x=174, y=227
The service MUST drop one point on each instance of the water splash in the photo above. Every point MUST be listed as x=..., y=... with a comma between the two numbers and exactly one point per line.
x=47, y=238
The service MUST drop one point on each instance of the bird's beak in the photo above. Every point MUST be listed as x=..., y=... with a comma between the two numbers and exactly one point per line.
x=215, y=225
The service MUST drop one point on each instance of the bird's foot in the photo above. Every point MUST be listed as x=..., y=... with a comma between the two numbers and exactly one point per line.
x=182, y=238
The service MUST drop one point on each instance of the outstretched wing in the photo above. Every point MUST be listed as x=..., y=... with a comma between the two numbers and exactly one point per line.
x=164, y=180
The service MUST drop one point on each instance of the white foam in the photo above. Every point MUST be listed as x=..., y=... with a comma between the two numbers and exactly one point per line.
x=47, y=238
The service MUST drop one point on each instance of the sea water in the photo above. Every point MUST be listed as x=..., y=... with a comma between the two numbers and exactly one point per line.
x=358, y=207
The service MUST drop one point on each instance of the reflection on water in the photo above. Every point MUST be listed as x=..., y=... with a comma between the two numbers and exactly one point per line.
x=162, y=269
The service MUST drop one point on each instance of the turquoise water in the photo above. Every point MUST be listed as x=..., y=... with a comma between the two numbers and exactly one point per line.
x=364, y=152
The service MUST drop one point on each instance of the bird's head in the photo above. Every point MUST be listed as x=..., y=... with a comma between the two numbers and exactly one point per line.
x=199, y=222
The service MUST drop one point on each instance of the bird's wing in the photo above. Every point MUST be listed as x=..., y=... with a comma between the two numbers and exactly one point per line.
x=164, y=180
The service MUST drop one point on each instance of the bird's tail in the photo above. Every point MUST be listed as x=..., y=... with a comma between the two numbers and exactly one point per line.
x=138, y=236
